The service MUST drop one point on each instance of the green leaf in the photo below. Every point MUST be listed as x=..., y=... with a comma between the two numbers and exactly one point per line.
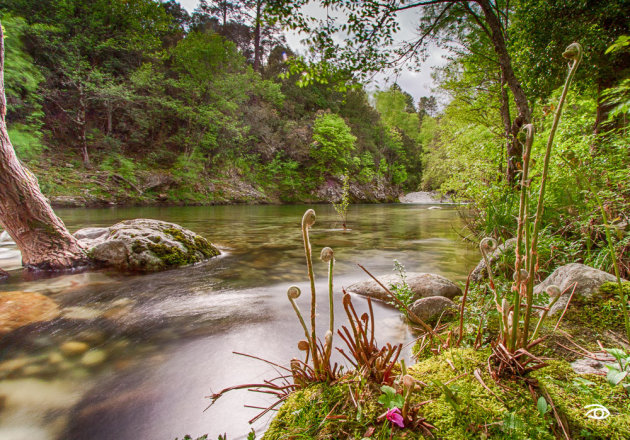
x=614, y=377
x=616, y=353
x=542, y=405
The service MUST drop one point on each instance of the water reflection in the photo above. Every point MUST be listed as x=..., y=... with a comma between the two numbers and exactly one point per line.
x=155, y=345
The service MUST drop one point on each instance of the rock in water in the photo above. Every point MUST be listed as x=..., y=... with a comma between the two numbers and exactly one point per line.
x=145, y=245
x=588, y=280
x=431, y=308
x=3, y=275
x=74, y=348
x=421, y=284
x=18, y=309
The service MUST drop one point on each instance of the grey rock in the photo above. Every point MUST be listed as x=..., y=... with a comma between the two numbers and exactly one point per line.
x=145, y=245
x=421, y=284
x=431, y=308
x=91, y=236
x=479, y=272
x=592, y=366
x=425, y=198
x=588, y=280
x=68, y=201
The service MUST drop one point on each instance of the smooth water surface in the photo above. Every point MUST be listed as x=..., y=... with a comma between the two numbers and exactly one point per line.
x=160, y=343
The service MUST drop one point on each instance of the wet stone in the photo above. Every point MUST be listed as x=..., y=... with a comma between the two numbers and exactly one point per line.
x=93, y=358
x=74, y=348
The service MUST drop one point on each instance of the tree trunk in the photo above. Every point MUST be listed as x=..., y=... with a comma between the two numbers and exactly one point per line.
x=506, y=118
x=110, y=117
x=82, y=122
x=524, y=114
x=257, y=48
x=25, y=214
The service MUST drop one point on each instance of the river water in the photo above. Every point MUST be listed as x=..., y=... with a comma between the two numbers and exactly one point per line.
x=160, y=343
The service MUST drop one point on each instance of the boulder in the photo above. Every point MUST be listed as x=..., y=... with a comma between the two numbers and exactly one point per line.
x=18, y=309
x=479, y=272
x=145, y=245
x=429, y=309
x=588, y=280
x=68, y=202
x=421, y=284
x=425, y=197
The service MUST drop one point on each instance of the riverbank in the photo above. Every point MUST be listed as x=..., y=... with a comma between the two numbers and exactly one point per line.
x=69, y=185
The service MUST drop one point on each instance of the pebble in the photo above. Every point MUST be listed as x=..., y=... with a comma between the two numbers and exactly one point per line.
x=32, y=370
x=74, y=348
x=55, y=358
x=13, y=364
x=81, y=313
x=93, y=358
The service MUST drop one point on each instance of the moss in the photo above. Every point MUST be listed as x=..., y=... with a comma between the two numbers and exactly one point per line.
x=571, y=395
x=612, y=288
x=137, y=247
x=603, y=311
x=197, y=244
x=505, y=412
x=172, y=255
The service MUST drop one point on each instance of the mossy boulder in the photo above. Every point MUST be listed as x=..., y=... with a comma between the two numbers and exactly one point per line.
x=587, y=281
x=145, y=245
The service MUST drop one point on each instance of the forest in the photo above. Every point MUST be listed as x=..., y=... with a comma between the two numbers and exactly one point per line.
x=501, y=198
x=141, y=102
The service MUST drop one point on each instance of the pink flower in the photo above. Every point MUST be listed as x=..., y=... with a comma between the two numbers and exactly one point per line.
x=394, y=416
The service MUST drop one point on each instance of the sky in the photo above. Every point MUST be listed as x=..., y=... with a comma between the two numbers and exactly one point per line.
x=416, y=83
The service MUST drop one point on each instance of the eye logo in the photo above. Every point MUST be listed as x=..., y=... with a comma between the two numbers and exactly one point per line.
x=597, y=412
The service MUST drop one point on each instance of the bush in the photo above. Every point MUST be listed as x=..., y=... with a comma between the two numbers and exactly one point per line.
x=332, y=144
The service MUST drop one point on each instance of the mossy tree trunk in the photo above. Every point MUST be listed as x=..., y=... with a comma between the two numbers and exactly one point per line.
x=25, y=213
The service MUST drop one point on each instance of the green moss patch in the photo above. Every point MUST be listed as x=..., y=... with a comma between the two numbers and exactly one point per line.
x=468, y=410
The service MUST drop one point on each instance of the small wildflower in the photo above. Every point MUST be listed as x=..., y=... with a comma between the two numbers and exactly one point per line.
x=394, y=416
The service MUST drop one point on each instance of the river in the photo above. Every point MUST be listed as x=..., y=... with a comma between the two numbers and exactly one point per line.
x=164, y=341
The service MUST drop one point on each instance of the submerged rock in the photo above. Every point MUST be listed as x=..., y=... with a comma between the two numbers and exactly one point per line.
x=80, y=313
x=74, y=348
x=18, y=309
x=479, y=272
x=421, y=284
x=93, y=358
x=145, y=245
x=588, y=280
x=3, y=275
x=429, y=309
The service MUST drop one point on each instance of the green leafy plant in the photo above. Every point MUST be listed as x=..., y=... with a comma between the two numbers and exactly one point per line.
x=618, y=374
x=341, y=208
x=390, y=398
x=402, y=290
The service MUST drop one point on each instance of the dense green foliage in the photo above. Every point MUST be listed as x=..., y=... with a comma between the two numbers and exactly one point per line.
x=138, y=101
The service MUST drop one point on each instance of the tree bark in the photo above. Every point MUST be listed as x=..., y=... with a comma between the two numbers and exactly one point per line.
x=82, y=122
x=25, y=214
x=524, y=115
x=257, y=48
x=507, y=127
